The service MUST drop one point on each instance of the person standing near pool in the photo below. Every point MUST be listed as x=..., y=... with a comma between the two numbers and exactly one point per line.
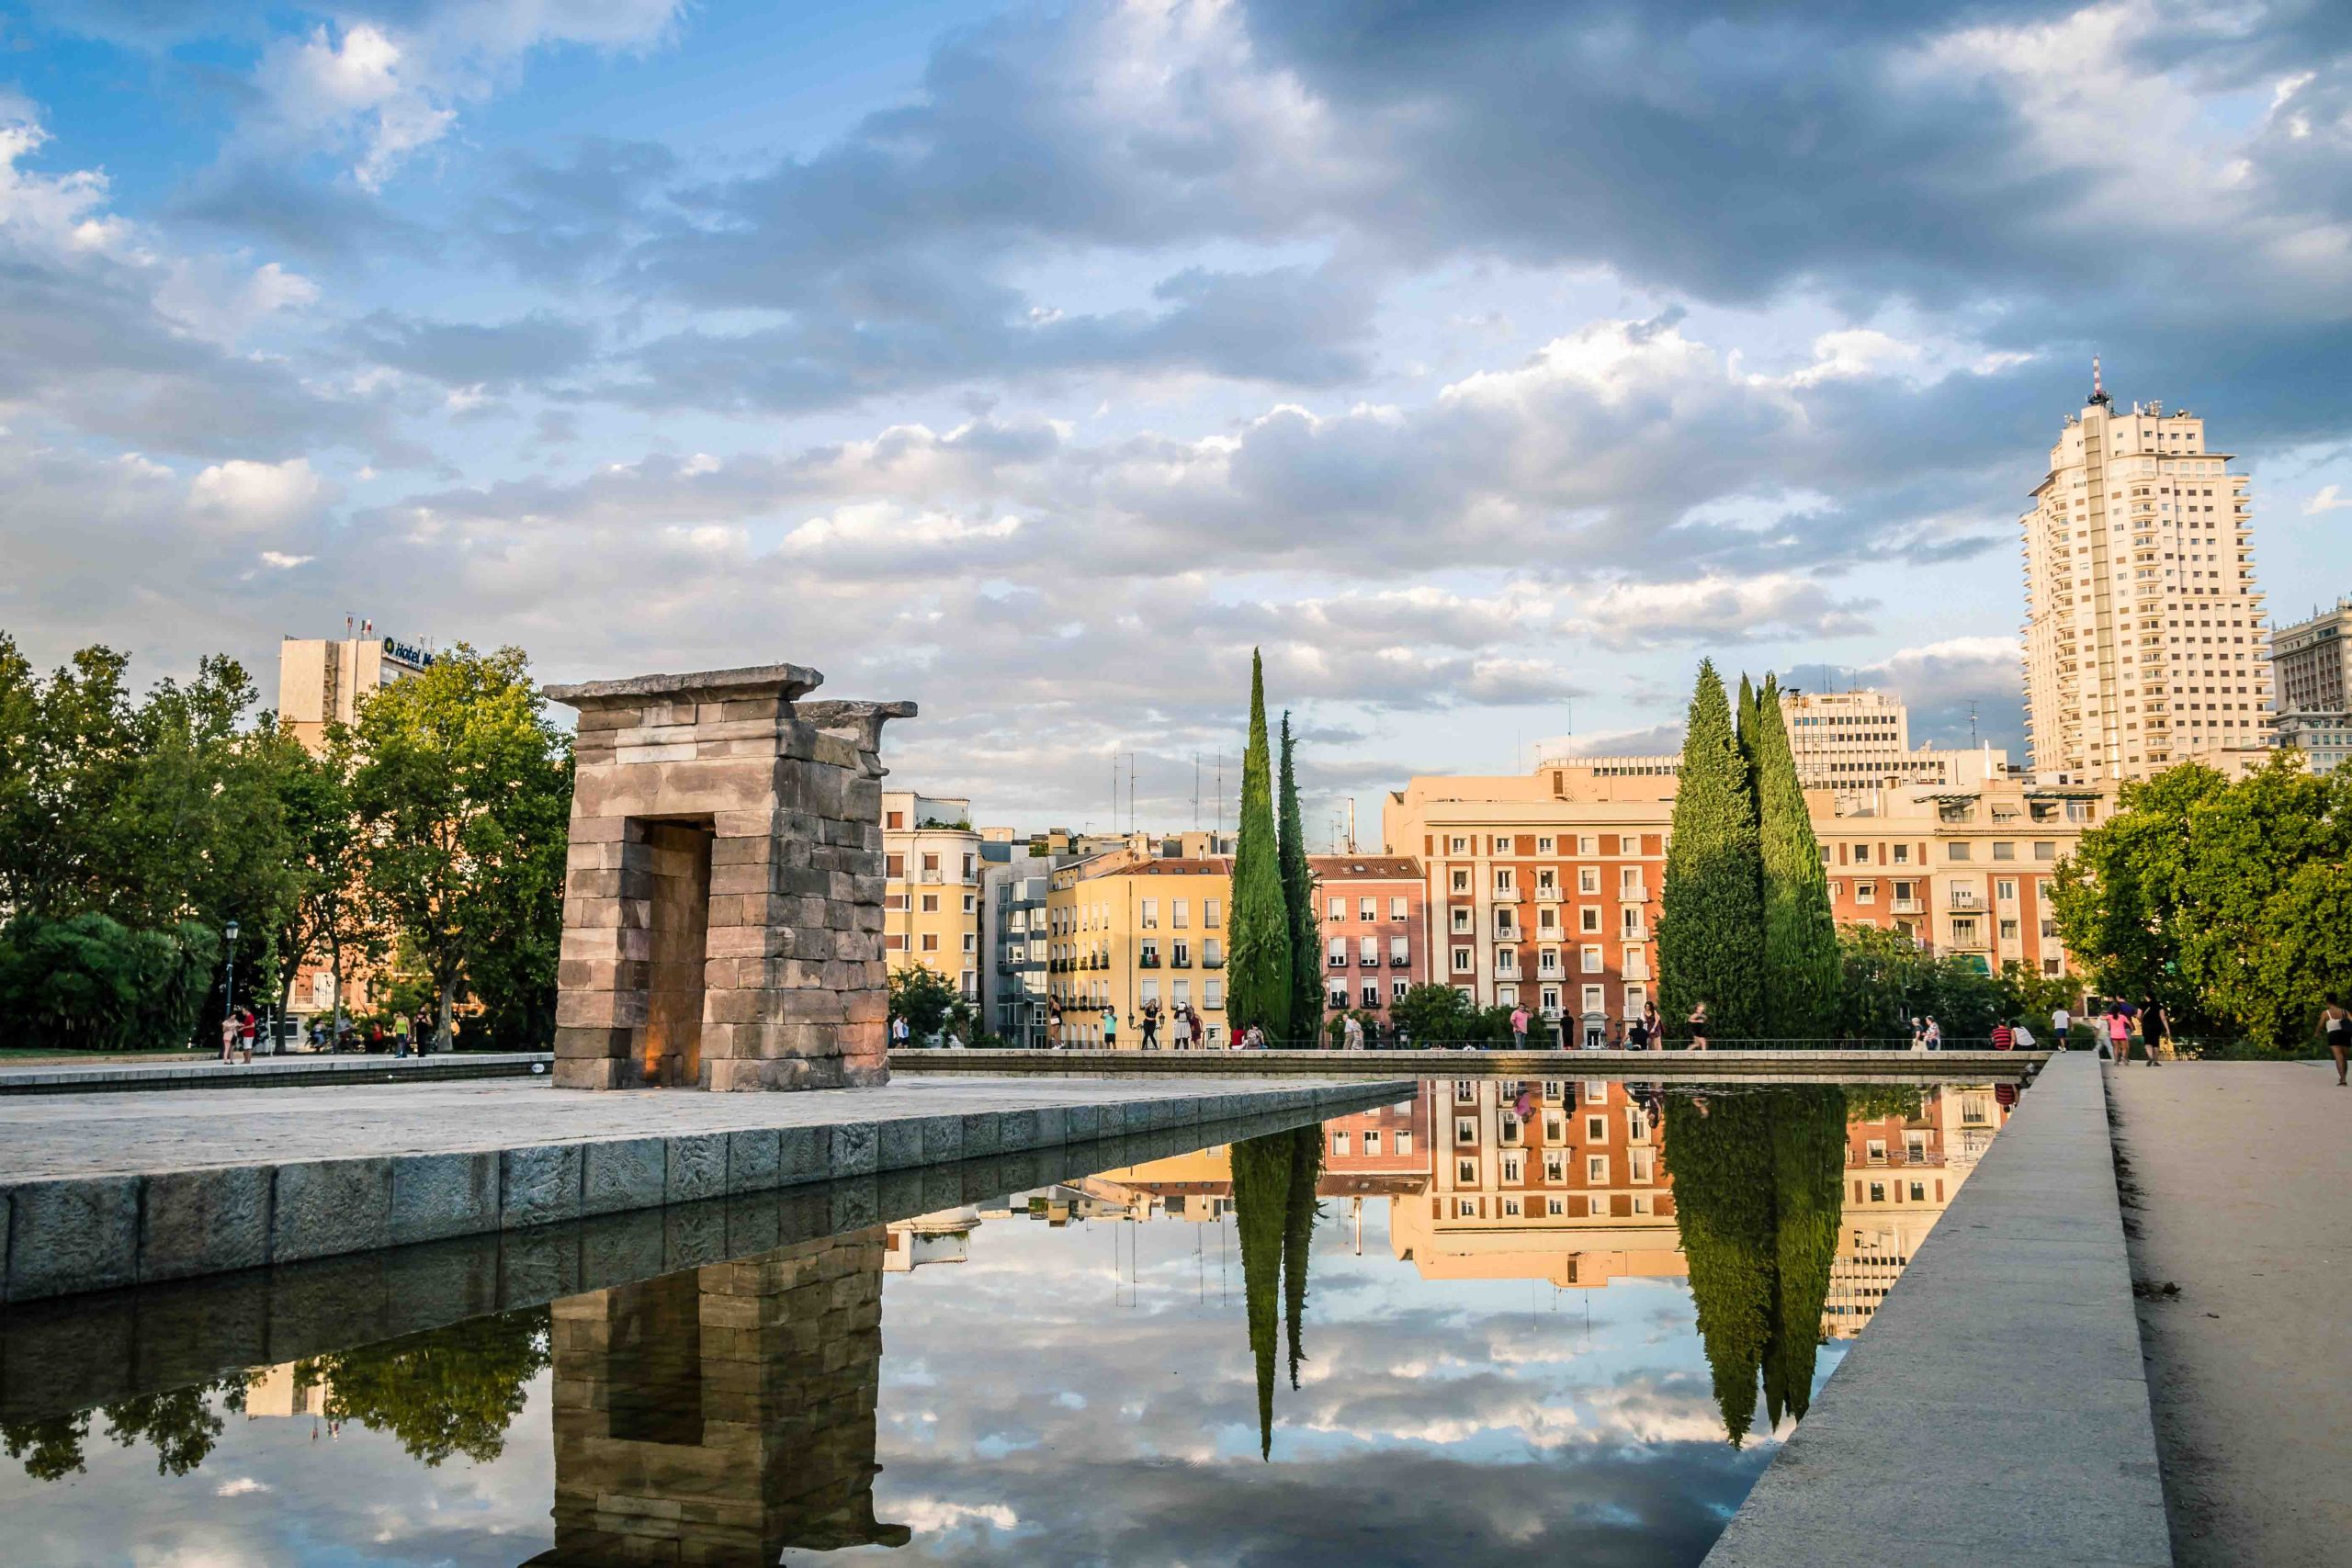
x=1519, y=1026
x=1699, y=1027
x=1110, y=1027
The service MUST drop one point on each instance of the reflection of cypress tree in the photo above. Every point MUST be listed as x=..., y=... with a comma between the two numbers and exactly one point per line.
x=1808, y=1173
x=1261, y=1200
x=1757, y=1199
x=1298, y=1232
x=1722, y=1207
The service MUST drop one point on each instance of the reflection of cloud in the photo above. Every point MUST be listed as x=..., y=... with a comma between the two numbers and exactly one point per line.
x=924, y=1515
x=244, y=1485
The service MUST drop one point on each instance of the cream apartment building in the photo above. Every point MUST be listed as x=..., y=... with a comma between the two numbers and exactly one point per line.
x=322, y=680
x=2143, y=639
x=930, y=896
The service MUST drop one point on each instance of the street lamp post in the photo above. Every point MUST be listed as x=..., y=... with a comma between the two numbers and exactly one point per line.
x=230, y=931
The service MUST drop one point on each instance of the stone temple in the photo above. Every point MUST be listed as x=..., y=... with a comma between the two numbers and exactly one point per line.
x=722, y=912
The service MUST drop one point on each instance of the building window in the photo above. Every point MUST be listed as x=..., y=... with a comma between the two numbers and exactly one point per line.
x=1337, y=910
x=1151, y=914
x=931, y=903
x=1397, y=909
x=1466, y=1130
x=1209, y=913
x=1589, y=956
x=1466, y=961
x=1596, y=1171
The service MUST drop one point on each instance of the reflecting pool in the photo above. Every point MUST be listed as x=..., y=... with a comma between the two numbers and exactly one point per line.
x=1498, y=1319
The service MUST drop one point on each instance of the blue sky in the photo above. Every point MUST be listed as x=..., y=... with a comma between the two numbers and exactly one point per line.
x=1485, y=364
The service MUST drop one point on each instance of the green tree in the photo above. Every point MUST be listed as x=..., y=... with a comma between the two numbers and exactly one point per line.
x=1298, y=899
x=464, y=793
x=1808, y=1200
x=1720, y=1149
x=1710, y=937
x=90, y=983
x=1260, y=1169
x=1257, y=986
x=1433, y=1015
x=1300, y=1210
x=1801, y=958
x=330, y=913
x=51, y=1447
x=925, y=999
x=2218, y=898
x=448, y=1391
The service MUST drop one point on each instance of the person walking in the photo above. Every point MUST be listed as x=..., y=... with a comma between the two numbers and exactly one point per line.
x=2060, y=1022
x=1054, y=1041
x=1351, y=1034
x=1918, y=1036
x=1698, y=1021
x=1932, y=1037
x=2336, y=1028
x=400, y=1035
x=1519, y=1027
x=900, y=1033
x=2155, y=1030
x=1151, y=1026
x=2119, y=1031
x=1110, y=1027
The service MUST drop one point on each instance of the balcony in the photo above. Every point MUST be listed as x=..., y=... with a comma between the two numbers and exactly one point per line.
x=1634, y=893
x=1213, y=961
x=1506, y=896
x=1180, y=961
x=1547, y=894
x=1149, y=961
x=1907, y=906
x=1965, y=898
x=931, y=876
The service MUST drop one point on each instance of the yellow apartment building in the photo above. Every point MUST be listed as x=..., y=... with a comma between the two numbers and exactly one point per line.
x=930, y=896
x=1126, y=929
x=322, y=680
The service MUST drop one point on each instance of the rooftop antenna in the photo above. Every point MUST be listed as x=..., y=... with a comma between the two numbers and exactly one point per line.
x=1972, y=725
x=2099, y=387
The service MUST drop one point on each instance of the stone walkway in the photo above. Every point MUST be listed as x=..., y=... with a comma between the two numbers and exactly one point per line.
x=1995, y=1411
x=95, y=1134
x=2238, y=1188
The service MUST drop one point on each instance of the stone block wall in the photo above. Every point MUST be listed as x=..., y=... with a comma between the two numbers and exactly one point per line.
x=722, y=1415
x=715, y=825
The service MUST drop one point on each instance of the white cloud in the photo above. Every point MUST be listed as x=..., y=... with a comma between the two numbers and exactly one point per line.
x=2327, y=499
x=251, y=497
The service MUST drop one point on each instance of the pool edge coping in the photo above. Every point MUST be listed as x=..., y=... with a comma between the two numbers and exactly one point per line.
x=2015, y=1316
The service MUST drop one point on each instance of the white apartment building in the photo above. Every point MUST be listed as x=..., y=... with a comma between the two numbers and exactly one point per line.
x=2314, y=709
x=2143, y=642
x=322, y=680
x=1859, y=737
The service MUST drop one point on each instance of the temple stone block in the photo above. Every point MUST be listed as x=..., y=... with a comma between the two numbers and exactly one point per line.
x=723, y=899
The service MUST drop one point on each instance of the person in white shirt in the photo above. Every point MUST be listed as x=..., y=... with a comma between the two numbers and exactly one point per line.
x=2060, y=1020
x=2023, y=1037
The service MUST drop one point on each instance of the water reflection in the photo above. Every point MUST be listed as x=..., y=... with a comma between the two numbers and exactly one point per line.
x=723, y=1415
x=742, y=1410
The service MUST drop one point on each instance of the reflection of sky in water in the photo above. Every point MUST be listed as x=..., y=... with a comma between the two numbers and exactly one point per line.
x=1079, y=1396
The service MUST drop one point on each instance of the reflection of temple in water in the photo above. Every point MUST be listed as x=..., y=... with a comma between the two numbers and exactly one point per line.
x=722, y=1415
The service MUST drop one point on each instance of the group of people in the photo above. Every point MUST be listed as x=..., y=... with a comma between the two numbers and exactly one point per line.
x=1185, y=1030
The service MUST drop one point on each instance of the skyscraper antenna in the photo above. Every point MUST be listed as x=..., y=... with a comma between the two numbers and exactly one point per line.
x=2099, y=387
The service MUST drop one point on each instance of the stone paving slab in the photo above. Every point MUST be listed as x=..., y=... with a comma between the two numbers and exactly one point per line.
x=2239, y=1190
x=1995, y=1411
x=102, y=1190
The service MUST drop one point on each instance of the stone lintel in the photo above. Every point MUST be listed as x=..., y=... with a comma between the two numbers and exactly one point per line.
x=786, y=683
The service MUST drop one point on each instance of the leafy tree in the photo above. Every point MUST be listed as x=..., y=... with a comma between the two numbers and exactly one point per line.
x=1298, y=899
x=88, y=982
x=448, y=1391
x=330, y=912
x=2220, y=899
x=1710, y=936
x=182, y=1424
x=2025, y=993
x=925, y=999
x=1433, y=1014
x=464, y=792
x=51, y=1447
x=1801, y=958
x=1808, y=1200
x=1258, y=985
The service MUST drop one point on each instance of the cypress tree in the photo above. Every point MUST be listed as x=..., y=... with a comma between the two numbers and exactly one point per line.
x=1259, y=980
x=1803, y=971
x=1720, y=1150
x=1261, y=1172
x=1710, y=936
x=1298, y=899
x=1300, y=1215
x=1808, y=1196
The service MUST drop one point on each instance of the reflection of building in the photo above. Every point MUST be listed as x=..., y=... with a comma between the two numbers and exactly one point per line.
x=272, y=1390
x=2143, y=639
x=722, y=1415
x=930, y=898
x=942, y=1237
x=1391, y=1141
x=1902, y=1173
x=1572, y=1191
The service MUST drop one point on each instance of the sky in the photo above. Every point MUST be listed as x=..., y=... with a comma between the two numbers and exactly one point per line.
x=1485, y=365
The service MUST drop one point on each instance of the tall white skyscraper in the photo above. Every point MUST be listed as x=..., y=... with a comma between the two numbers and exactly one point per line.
x=2143, y=639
